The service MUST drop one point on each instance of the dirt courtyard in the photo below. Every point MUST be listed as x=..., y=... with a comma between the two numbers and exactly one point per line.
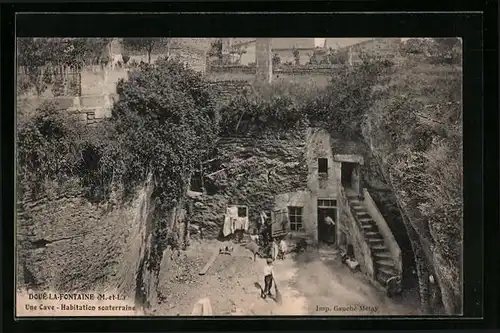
x=312, y=283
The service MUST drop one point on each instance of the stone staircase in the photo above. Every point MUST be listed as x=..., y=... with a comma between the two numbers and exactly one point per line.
x=384, y=267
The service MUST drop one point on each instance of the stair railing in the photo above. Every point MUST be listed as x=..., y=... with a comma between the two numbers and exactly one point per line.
x=346, y=206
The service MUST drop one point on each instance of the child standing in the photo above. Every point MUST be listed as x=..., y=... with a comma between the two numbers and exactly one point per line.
x=268, y=278
x=282, y=249
x=274, y=249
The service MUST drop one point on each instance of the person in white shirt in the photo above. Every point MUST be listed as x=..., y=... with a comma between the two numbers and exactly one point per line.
x=268, y=278
x=274, y=249
x=329, y=221
x=282, y=250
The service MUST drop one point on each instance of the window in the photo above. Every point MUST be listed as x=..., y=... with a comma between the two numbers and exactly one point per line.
x=322, y=165
x=327, y=203
x=242, y=211
x=295, y=217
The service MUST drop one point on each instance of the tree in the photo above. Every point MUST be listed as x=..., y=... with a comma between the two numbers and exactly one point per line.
x=147, y=45
x=296, y=55
x=276, y=59
x=48, y=149
x=37, y=52
x=216, y=50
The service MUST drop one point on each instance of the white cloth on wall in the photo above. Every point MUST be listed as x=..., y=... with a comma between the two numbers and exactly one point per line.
x=232, y=211
x=246, y=223
x=263, y=217
x=226, y=229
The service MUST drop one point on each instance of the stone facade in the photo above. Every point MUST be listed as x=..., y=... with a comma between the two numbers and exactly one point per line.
x=270, y=174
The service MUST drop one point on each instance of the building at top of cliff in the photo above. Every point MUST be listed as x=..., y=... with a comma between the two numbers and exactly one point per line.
x=283, y=47
x=354, y=47
x=190, y=51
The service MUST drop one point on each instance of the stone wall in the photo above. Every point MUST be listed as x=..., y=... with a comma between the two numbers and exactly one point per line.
x=356, y=238
x=68, y=243
x=313, y=76
x=249, y=172
x=101, y=81
x=384, y=230
x=225, y=90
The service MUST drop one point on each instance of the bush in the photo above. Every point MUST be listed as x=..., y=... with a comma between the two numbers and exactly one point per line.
x=48, y=149
x=267, y=110
x=162, y=125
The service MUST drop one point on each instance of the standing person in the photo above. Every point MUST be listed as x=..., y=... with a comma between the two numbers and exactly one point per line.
x=282, y=249
x=268, y=278
x=330, y=224
x=274, y=249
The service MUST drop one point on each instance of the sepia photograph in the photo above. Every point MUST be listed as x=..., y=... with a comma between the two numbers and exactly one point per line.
x=239, y=177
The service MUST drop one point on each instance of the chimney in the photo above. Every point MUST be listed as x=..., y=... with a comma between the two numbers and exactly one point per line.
x=263, y=60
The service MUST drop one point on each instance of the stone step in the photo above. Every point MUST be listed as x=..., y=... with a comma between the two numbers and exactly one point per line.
x=382, y=255
x=363, y=215
x=378, y=248
x=375, y=241
x=358, y=207
x=373, y=235
x=388, y=263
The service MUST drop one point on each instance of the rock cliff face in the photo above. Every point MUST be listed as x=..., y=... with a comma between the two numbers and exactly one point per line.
x=249, y=172
x=70, y=244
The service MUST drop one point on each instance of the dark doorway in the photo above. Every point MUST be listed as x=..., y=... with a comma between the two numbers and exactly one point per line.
x=326, y=232
x=350, y=251
x=347, y=170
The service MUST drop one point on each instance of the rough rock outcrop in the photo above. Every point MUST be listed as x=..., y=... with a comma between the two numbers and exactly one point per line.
x=248, y=172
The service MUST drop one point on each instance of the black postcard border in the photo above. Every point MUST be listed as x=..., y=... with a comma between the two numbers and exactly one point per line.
x=466, y=25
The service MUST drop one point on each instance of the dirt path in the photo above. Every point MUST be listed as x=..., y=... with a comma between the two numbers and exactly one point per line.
x=310, y=284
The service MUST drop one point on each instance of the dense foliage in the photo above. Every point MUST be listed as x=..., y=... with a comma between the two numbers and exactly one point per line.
x=38, y=52
x=409, y=112
x=39, y=57
x=260, y=114
x=414, y=127
x=48, y=151
x=147, y=45
x=162, y=125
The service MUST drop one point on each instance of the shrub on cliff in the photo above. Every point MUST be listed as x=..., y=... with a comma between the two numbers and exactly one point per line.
x=162, y=125
x=252, y=115
x=414, y=128
x=410, y=115
x=48, y=150
x=268, y=110
x=346, y=99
